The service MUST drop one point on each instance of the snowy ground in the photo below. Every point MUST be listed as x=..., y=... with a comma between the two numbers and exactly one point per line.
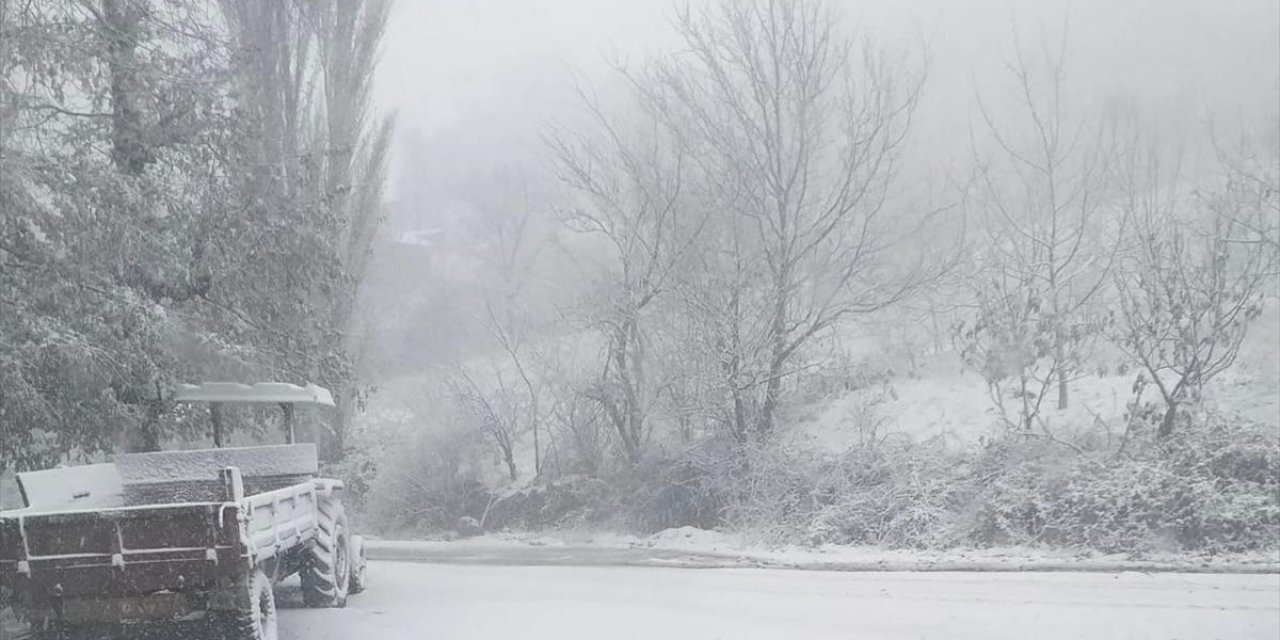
x=958, y=406
x=945, y=400
x=461, y=602
x=487, y=588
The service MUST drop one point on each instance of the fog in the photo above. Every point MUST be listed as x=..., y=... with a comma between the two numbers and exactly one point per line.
x=508, y=63
x=903, y=286
x=475, y=86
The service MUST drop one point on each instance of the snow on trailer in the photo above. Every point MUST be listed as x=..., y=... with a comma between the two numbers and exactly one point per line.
x=93, y=486
x=180, y=535
x=190, y=475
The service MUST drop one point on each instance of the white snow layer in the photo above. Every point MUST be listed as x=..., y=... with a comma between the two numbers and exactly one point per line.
x=414, y=601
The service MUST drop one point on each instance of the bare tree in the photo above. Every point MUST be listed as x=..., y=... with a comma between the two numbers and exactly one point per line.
x=798, y=132
x=629, y=184
x=1195, y=279
x=1252, y=168
x=496, y=410
x=505, y=219
x=509, y=401
x=510, y=331
x=1050, y=244
x=581, y=425
x=509, y=314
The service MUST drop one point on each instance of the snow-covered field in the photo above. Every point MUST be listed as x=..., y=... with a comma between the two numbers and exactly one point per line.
x=958, y=406
x=463, y=602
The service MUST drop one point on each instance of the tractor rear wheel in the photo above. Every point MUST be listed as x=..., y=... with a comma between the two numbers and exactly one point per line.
x=258, y=622
x=326, y=571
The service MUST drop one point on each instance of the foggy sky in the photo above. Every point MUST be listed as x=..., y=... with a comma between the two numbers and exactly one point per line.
x=501, y=67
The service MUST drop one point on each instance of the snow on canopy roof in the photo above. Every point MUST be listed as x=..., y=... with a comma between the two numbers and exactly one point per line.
x=273, y=392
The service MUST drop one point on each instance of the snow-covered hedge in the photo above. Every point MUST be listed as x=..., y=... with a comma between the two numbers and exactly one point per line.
x=1217, y=490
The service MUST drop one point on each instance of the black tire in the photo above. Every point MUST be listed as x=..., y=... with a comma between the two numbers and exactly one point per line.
x=359, y=567
x=257, y=623
x=327, y=570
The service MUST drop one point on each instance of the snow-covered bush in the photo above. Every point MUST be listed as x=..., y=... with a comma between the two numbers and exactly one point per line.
x=565, y=502
x=1213, y=487
x=898, y=495
x=1087, y=501
x=1200, y=494
x=777, y=491
x=427, y=479
x=670, y=491
x=1217, y=490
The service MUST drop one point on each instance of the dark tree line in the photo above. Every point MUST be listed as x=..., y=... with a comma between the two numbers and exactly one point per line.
x=188, y=191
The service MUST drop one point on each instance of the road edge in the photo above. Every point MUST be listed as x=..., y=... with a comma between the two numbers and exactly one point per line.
x=586, y=555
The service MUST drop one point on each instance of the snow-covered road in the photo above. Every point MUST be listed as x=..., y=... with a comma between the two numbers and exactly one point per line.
x=411, y=601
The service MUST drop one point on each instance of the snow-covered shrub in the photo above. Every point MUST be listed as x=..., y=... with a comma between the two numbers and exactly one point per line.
x=427, y=479
x=567, y=501
x=689, y=489
x=918, y=499
x=778, y=491
x=896, y=494
x=1218, y=490
x=1233, y=469
x=661, y=492
x=1087, y=501
x=902, y=495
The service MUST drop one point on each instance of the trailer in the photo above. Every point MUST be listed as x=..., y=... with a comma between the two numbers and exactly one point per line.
x=197, y=537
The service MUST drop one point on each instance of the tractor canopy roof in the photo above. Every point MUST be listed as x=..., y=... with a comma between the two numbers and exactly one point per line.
x=263, y=392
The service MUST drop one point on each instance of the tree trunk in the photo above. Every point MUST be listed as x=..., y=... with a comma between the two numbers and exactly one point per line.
x=1166, y=423
x=146, y=437
x=509, y=458
x=772, y=390
x=121, y=25
x=778, y=356
x=215, y=418
x=740, y=430
x=732, y=366
x=1059, y=354
x=537, y=448
x=619, y=425
x=330, y=433
x=121, y=29
x=631, y=420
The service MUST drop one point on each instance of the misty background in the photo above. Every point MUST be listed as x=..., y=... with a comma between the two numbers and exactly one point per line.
x=474, y=87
